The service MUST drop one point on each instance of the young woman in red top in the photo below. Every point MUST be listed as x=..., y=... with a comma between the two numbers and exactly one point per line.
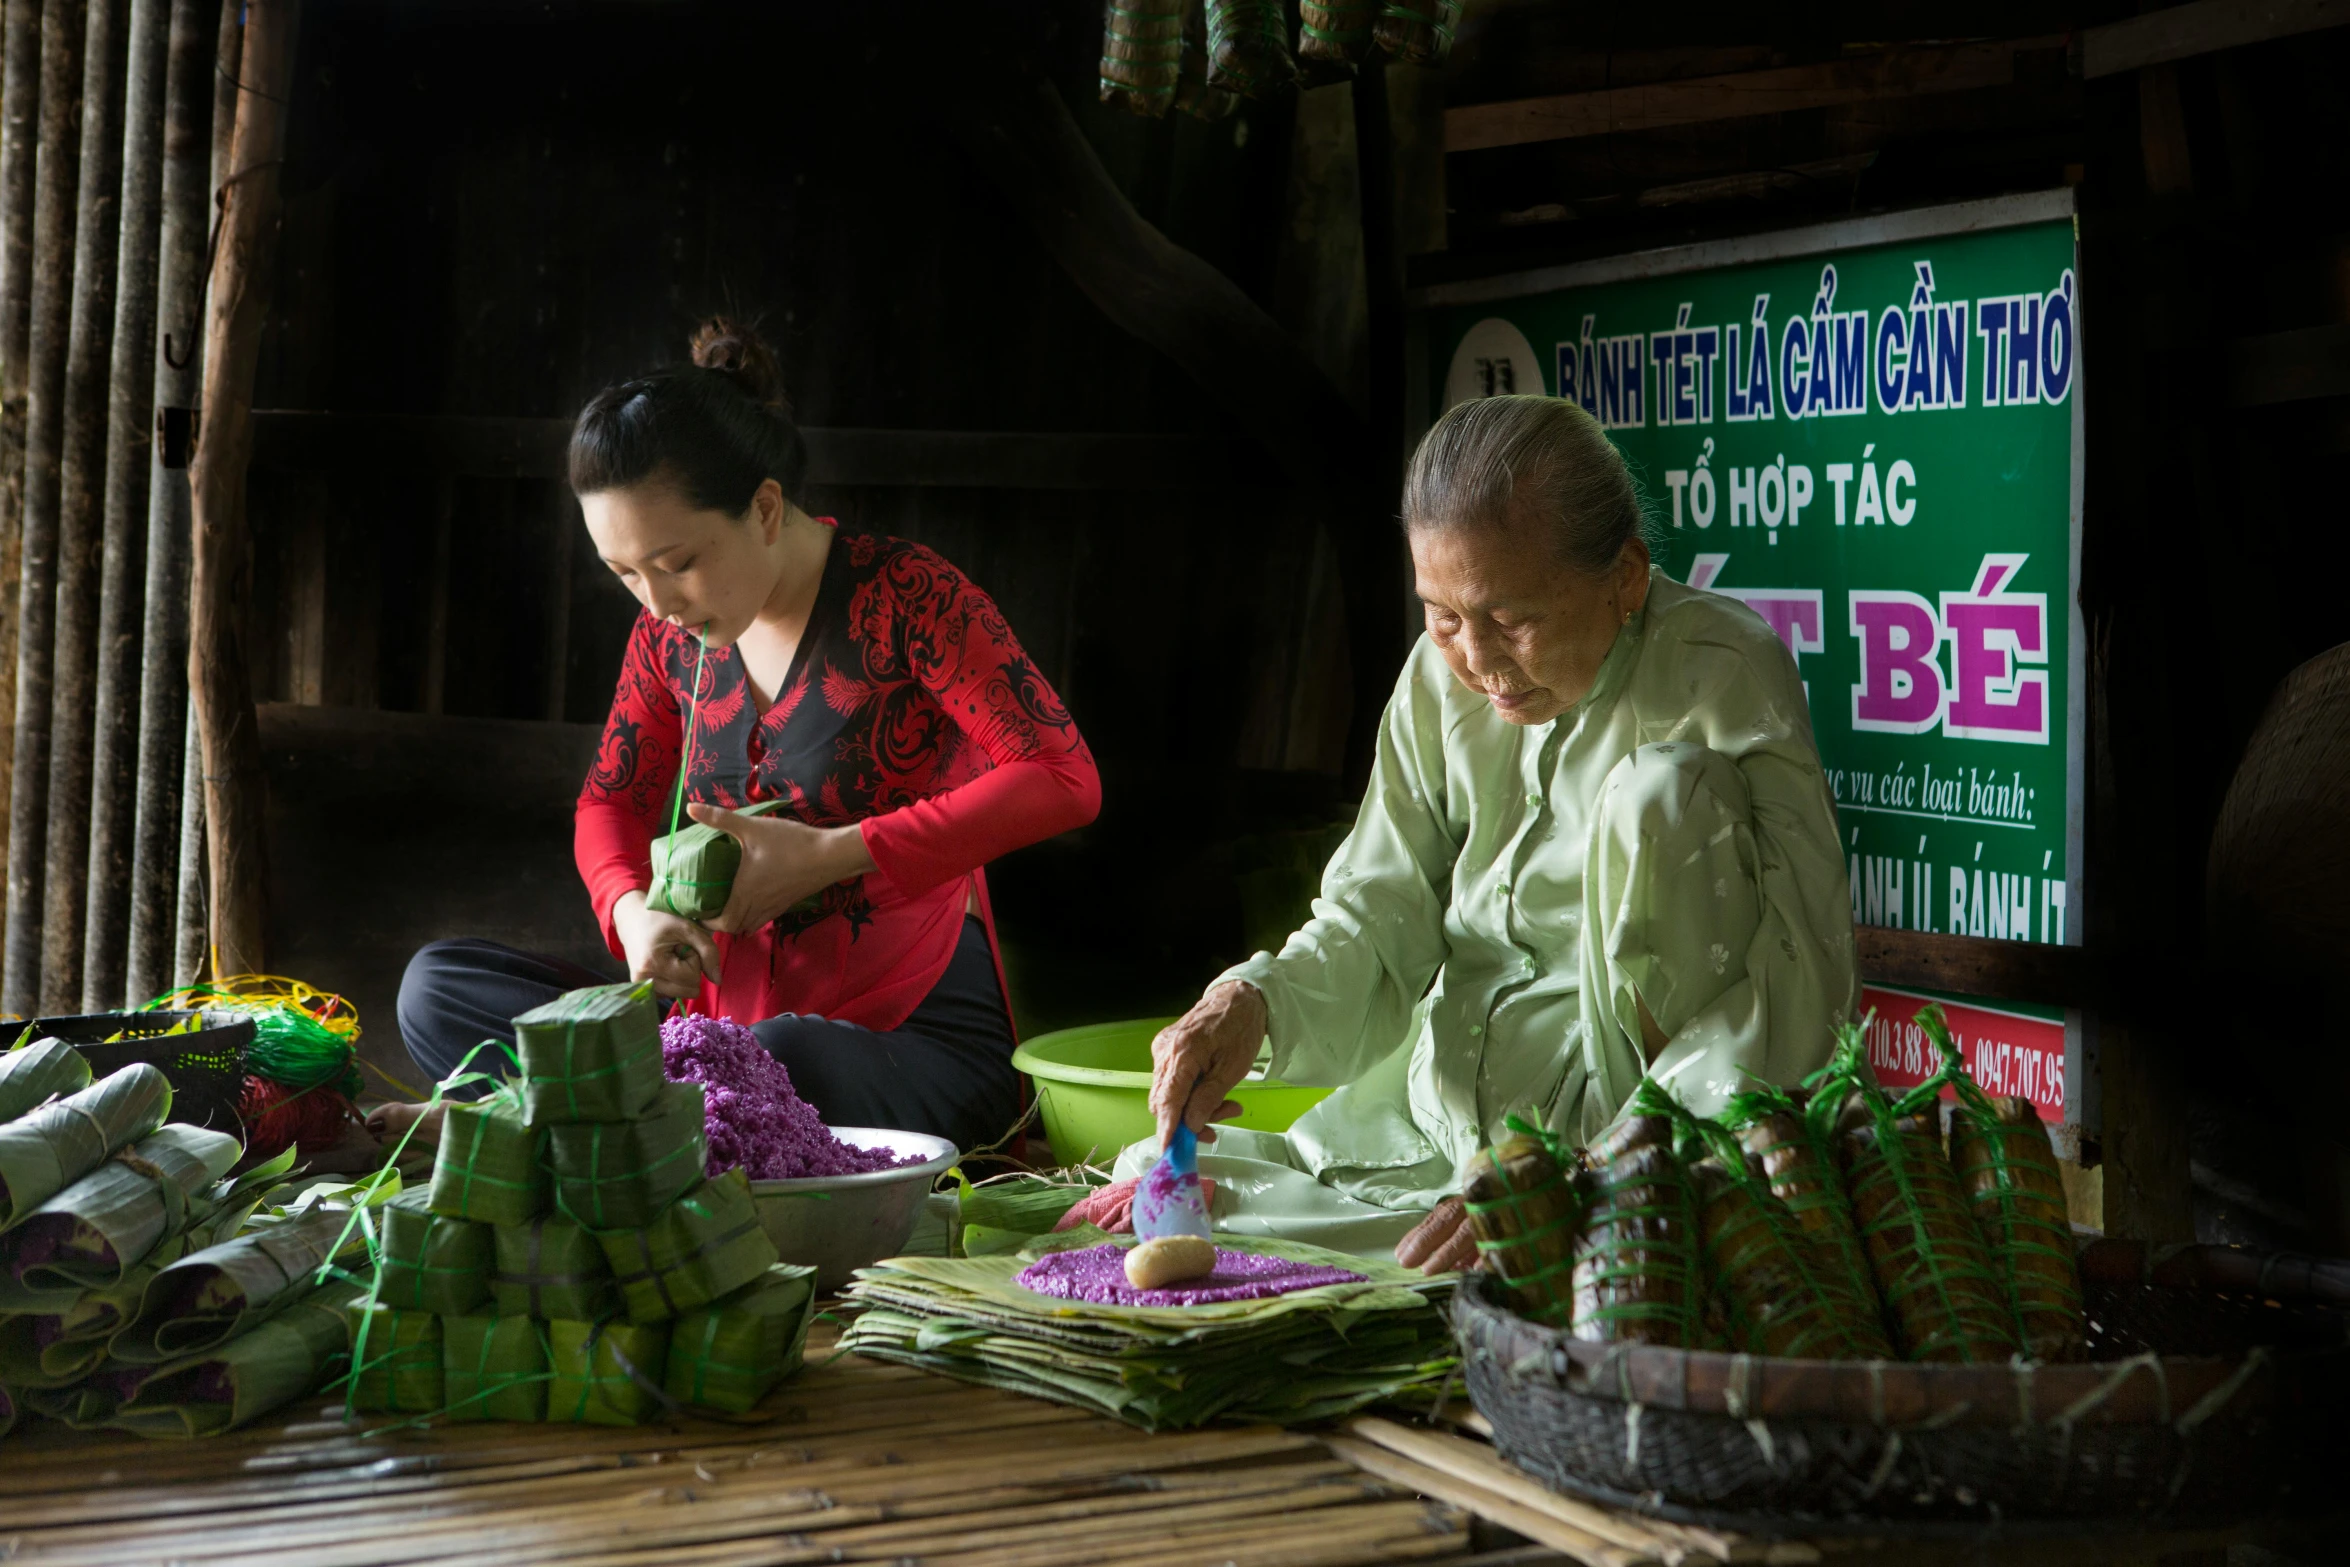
x=863, y=681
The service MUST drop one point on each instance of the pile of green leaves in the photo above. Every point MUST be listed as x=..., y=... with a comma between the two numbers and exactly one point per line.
x=1294, y=1358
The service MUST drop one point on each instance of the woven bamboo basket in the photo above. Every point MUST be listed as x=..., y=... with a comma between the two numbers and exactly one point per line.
x=2215, y=1377
x=206, y=1066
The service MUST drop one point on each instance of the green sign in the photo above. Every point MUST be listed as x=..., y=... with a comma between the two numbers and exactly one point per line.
x=1868, y=432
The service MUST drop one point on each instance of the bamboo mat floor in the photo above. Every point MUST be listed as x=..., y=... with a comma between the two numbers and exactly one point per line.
x=857, y=1460
x=851, y=1461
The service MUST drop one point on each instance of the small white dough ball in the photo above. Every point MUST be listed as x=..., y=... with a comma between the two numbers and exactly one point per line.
x=1170, y=1259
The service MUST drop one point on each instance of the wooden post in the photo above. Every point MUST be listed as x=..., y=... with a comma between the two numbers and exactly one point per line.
x=52, y=300
x=20, y=113
x=191, y=907
x=218, y=671
x=81, y=511
x=130, y=424
x=163, y=639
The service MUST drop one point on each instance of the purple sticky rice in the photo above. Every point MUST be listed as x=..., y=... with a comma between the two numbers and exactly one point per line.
x=1098, y=1274
x=755, y=1119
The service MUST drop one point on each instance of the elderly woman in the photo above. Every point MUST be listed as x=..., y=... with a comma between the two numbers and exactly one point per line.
x=1596, y=843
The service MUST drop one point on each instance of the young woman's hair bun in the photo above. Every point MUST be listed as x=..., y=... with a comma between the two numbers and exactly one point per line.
x=714, y=430
x=737, y=350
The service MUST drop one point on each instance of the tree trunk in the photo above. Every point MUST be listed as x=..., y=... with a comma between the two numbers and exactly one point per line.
x=81, y=511
x=55, y=172
x=20, y=119
x=130, y=441
x=163, y=641
x=218, y=670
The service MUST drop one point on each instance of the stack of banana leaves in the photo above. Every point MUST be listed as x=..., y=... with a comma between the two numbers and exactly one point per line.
x=1288, y=1359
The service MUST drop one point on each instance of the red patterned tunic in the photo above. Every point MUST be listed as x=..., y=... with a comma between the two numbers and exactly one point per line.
x=909, y=708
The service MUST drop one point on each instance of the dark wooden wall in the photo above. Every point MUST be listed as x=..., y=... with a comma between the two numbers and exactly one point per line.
x=494, y=210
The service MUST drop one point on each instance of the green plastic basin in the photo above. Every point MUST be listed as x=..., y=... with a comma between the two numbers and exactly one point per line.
x=1093, y=1086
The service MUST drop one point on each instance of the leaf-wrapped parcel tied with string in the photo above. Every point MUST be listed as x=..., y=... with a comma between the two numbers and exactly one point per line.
x=36, y=1070
x=55, y=1144
x=494, y=1368
x=1933, y=1271
x=1525, y=1211
x=606, y=1373
x=1799, y=1160
x=1637, y=1278
x=619, y=1175
x=728, y=1354
x=91, y=1234
x=2008, y=1169
x=395, y=1360
x=590, y=1055
x=705, y=1244
x=299, y=1348
x=210, y=1297
x=428, y=1262
x=488, y=1167
x=694, y=868
x=551, y=1267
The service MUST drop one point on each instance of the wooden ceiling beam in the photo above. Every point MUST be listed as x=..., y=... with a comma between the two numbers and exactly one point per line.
x=2176, y=32
x=1904, y=72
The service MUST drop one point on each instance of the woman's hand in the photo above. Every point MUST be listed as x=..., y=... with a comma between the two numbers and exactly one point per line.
x=1197, y=1058
x=675, y=954
x=1442, y=1243
x=784, y=863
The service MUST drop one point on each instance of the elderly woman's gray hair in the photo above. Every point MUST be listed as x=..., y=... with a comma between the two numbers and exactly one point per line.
x=1494, y=460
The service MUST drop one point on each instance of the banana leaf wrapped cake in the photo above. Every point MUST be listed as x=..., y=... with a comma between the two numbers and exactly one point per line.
x=1525, y=1209
x=551, y=1267
x=494, y=1368
x=55, y=1144
x=620, y=1175
x=694, y=868
x=1637, y=1277
x=2008, y=1169
x=395, y=1360
x=211, y=1297
x=427, y=1261
x=90, y=1235
x=1942, y=1299
x=302, y=1346
x=488, y=1167
x=39, y=1070
x=706, y=1244
x=590, y=1055
x=605, y=1373
x=728, y=1354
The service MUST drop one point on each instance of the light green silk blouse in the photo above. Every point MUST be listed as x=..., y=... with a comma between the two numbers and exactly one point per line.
x=1443, y=974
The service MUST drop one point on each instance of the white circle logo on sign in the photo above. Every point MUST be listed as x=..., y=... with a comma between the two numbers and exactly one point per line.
x=1494, y=360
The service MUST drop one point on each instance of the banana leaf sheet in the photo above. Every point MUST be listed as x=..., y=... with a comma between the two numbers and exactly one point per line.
x=590, y=1055
x=729, y=1354
x=90, y=1235
x=706, y=1244
x=1290, y=1359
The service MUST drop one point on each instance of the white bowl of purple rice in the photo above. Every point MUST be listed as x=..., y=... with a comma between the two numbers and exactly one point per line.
x=837, y=1224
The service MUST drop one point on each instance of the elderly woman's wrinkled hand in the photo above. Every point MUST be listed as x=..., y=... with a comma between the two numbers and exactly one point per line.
x=1442, y=1243
x=1196, y=1060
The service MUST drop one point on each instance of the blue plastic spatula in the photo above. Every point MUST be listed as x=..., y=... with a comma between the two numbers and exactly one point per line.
x=1168, y=1200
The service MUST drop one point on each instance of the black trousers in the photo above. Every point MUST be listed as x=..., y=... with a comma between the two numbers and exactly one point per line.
x=946, y=1070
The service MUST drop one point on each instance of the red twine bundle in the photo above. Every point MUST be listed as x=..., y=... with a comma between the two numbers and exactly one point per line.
x=277, y=1117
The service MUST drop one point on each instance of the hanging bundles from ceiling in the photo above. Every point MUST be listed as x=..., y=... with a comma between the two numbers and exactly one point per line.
x=1418, y=32
x=1248, y=47
x=1142, y=52
x=1336, y=33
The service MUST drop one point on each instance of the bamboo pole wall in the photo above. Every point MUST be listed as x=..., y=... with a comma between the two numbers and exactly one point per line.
x=81, y=512
x=20, y=140
x=130, y=408
x=164, y=720
x=56, y=170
